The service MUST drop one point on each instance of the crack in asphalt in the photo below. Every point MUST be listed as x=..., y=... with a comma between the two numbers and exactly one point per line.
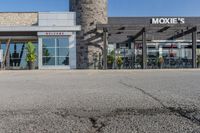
x=96, y=127
x=101, y=121
x=190, y=114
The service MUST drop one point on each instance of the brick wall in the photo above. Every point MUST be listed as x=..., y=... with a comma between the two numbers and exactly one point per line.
x=18, y=19
x=89, y=13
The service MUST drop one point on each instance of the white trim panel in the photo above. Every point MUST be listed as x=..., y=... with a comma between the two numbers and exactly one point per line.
x=39, y=28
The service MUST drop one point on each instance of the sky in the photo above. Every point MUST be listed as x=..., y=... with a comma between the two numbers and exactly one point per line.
x=115, y=7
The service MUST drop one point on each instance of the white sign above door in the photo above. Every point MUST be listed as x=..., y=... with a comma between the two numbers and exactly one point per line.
x=54, y=33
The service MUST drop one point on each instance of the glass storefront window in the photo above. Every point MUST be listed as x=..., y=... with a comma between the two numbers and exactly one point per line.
x=153, y=52
x=163, y=54
x=55, y=51
x=137, y=56
x=169, y=55
x=160, y=54
x=17, y=54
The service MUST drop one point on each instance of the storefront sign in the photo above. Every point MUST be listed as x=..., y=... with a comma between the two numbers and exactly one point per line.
x=1, y=55
x=54, y=33
x=168, y=20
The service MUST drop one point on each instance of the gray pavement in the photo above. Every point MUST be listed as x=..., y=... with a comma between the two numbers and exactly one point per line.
x=139, y=101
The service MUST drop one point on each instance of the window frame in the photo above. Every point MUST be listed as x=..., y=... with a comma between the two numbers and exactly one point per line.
x=56, y=41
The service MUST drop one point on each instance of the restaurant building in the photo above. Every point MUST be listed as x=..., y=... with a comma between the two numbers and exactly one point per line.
x=134, y=42
x=52, y=33
x=115, y=42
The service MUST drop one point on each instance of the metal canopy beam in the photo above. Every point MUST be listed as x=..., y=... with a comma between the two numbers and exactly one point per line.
x=149, y=29
x=93, y=31
x=138, y=27
x=134, y=37
x=139, y=33
x=6, y=61
x=183, y=33
x=144, y=49
x=132, y=32
x=123, y=37
x=194, y=47
x=105, y=50
x=164, y=29
x=93, y=38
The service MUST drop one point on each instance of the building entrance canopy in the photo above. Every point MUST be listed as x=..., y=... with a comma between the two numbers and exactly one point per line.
x=148, y=29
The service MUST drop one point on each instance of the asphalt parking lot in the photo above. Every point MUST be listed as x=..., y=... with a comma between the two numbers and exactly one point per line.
x=87, y=101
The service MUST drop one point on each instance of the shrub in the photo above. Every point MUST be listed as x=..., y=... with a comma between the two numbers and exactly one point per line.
x=30, y=56
x=119, y=61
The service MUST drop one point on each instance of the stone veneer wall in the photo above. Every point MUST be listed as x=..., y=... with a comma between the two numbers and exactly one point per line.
x=89, y=13
x=18, y=19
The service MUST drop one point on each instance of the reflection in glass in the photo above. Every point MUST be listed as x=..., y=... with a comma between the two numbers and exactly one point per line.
x=62, y=61
x=63, y=42
x=48, y=61
x=62, y=52
x=48, y=51
x=48, y=42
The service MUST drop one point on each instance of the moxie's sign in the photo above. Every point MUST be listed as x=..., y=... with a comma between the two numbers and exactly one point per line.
x=168, y=20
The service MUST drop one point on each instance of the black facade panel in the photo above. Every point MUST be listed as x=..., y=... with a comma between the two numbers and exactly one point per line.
x=147, y=20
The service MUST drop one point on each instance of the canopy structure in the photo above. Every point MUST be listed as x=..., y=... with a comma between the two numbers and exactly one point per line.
x=123, y=33
x=122, y=30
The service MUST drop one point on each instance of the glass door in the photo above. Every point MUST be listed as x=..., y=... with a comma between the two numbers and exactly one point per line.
x=55, y=51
